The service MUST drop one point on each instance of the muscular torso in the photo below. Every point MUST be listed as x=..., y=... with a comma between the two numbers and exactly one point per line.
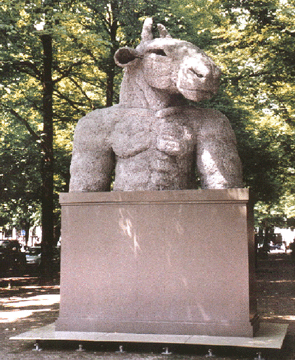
x=154, y=151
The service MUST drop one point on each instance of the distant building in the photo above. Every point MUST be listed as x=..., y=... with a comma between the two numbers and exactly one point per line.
x=35, y=236
x=288, y=235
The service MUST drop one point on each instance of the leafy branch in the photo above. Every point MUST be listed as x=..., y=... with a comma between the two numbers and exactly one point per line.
x=23, y=66
x=35, y=136
x=67, y=72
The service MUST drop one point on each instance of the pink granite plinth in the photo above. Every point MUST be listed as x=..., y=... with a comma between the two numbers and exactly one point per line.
x=159, y=262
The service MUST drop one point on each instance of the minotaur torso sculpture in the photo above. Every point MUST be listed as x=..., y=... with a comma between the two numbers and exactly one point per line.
x=153, y=139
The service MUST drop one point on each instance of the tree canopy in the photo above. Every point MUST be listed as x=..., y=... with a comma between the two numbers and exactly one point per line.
x=56, y=64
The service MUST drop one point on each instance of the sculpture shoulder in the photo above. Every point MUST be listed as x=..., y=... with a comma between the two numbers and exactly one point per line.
x=101, y=126
x=100, y=119
x=205, y=117
x=95, y=128
x=201, y=120
x=107, y=118
x=212, y=122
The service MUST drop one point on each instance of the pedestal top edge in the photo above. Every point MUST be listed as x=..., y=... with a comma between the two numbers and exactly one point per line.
x=210, y=195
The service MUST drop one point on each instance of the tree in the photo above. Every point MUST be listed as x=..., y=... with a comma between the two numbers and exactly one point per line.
x=19, y=180
x=30, y=73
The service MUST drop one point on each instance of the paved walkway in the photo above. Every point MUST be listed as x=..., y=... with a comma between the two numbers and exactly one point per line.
x=25, y=306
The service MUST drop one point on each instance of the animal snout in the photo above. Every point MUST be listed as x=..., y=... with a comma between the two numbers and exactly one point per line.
x=196, y=72
x=195, y=76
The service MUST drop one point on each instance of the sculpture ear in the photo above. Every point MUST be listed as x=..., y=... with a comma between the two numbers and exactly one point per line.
x=124, y=56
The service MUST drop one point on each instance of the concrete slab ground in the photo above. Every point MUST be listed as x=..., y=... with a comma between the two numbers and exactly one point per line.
x=270, y=336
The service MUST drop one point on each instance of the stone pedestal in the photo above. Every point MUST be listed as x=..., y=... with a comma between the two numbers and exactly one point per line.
x=159, y=262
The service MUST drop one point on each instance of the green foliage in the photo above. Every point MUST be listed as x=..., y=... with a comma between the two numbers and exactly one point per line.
x=19, y=177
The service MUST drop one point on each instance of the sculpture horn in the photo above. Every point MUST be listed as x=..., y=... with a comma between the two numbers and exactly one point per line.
x=146, y=33
x=163, y=31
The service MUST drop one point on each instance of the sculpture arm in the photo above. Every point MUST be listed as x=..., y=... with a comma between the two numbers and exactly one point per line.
x=218, y=162
x=92, y=159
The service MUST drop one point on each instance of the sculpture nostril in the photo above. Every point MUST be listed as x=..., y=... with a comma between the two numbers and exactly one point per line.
x=196, y=72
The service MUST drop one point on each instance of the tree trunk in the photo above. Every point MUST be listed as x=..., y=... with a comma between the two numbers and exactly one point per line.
x=110, y=87
x=27, y=226
x=47, y=161
x=113, y=28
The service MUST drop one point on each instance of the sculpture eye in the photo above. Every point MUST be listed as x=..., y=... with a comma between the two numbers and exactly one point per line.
x=158, y=52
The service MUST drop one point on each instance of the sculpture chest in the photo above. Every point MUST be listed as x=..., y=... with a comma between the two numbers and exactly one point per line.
x=136, y=134
x=152, y=152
